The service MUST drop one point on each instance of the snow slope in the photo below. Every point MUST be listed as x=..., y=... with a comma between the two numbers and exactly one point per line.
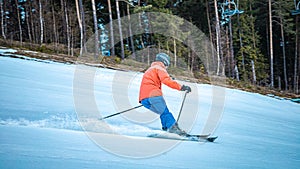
x=39, y=124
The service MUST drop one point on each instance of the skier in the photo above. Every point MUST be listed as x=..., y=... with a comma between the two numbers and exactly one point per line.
x=151, y=92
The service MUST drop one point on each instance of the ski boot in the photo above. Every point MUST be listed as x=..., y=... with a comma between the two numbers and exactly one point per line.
x=176, y=130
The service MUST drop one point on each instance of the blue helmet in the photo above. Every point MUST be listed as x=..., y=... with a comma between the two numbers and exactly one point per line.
x=163, y=58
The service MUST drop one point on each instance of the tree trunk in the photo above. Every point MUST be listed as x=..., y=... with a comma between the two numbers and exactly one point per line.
x=242, y=53
x=71, y=35
x=210, y=36
x=80, y=26
x=283, y=53
x=237, y=73
x=96, y=30
x=296, y=57
x=271, y=44
x=189, y=66
x=28, y=15
x=41, y=23
x=193, y=61
x=141, y=36
x=2, y=20
x=112, y=41
x=217, y=37
x=19, y=22
x=148, y=56
x=279, y=82
x=32, y=24
x=130, y=33
x=175, y=52
x=297, y=85
x=68, y=28
x=55, y=39
x=228, y=51
x=231, y=60
x=28, y=27
x=253, y=72
x=82, y=14
x=120, y=30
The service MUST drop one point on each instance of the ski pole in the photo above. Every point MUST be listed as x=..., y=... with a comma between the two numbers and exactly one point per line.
x=182, y=105
x=120, y=112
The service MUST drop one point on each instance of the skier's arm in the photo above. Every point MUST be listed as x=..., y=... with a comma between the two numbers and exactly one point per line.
x=165, y=79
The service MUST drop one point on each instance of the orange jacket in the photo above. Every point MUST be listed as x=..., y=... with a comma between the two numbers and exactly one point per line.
x=152, y=80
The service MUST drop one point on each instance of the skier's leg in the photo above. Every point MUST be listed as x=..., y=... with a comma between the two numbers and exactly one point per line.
x=167, y=119
x=159, y=106
x=155, y=104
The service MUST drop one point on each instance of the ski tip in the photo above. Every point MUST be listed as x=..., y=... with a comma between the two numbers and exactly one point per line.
x=212, y=139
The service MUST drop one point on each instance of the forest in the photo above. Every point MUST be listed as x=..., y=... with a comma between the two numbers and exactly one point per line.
x=256, y=41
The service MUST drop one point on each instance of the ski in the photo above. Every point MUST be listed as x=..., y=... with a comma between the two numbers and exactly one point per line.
x=203, y=137
x=189, y=137
x=198, y=135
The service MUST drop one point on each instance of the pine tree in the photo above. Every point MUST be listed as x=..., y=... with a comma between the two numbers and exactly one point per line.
x=284, y=23
x=249, y=50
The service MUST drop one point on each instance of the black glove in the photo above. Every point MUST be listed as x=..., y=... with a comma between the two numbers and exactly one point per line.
x=186, y=88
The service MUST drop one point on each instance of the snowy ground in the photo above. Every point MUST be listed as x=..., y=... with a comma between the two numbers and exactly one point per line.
x=39, y=126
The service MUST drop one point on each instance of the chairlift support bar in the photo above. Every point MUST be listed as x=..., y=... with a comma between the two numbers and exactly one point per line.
x=297, y=11
x=229, y=11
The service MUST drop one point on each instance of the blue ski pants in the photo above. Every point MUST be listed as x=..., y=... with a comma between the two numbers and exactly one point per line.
x=158, y=105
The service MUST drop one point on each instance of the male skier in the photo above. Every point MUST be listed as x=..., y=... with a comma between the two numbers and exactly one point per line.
x=151, y=92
